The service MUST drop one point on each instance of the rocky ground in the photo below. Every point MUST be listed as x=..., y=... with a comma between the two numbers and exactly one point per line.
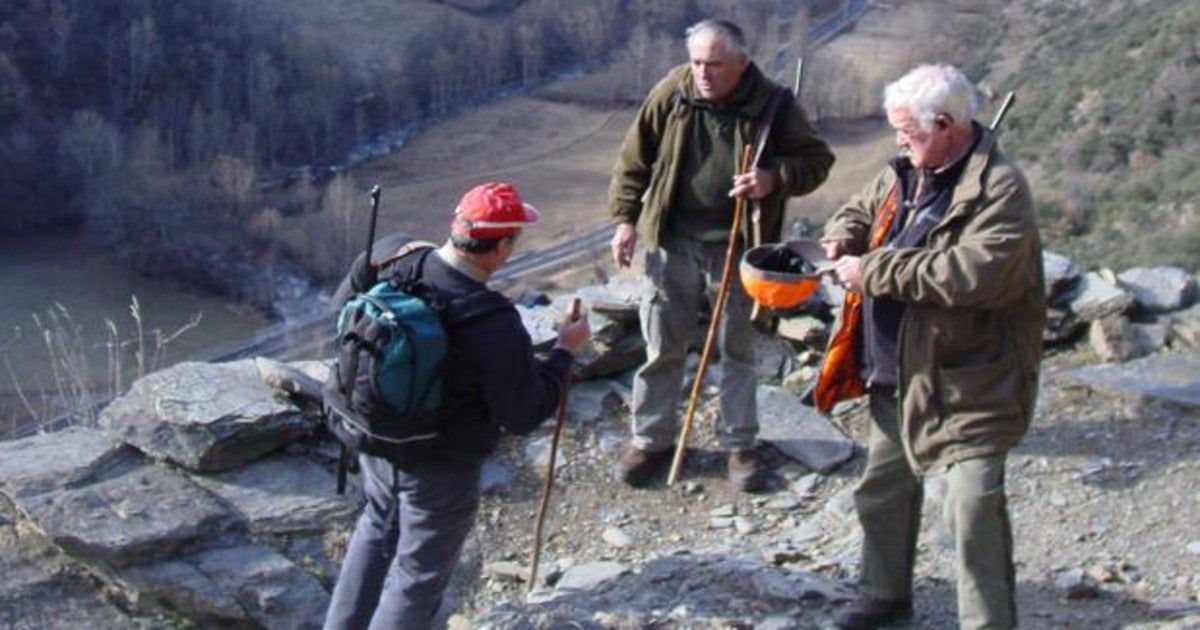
x=204, y=496
x=1104, y=496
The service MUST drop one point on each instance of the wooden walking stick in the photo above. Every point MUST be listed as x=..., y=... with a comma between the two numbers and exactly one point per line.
x=558, y=425
x=722, y=296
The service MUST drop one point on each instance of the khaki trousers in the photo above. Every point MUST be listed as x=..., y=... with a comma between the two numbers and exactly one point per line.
x=680, y=272
x=888, y=501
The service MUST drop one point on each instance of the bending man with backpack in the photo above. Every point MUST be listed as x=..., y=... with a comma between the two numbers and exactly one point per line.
x=423, y=494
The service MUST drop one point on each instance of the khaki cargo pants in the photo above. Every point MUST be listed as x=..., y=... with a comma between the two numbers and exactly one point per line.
x=888, y=501
x=679, y=273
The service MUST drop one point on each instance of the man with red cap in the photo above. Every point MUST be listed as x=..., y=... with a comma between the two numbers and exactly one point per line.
x=420, y=509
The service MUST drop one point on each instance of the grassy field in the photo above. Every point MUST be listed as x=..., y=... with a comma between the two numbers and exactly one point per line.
x=560, y=156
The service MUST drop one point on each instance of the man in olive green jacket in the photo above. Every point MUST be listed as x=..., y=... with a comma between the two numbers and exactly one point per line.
x=674, y=184
x=952, y=315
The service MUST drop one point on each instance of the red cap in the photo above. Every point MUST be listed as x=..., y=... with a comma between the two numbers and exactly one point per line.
x=492, y=210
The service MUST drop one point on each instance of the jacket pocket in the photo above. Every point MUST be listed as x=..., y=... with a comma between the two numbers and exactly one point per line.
x=981, y=399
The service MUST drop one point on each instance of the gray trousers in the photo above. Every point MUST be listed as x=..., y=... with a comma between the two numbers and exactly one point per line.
x=888, y=501
x=436, y=504
x=680, y=272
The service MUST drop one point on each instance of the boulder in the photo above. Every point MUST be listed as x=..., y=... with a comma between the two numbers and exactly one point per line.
x=247, y=583
x=774, y=357
x=542, y=325
x=290, y=379
x=52, y=461
x=142, y=513
x=1061, y=275
x=1095, y=297
x=591, y=401
x=1185, y=327
x=206, y=417
x=599, y=359
x=282, y=494
x=804, y=329
x=1173, y=376
x=35, y=594
x=1111, y=338
x=1061, y=325
x=799, y=432
x=618, y=298
x=1159, y=289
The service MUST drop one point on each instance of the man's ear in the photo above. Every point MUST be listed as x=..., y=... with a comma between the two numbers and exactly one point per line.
x=943, y=121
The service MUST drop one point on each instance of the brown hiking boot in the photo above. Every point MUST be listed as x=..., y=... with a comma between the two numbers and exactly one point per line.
x=747, y=472
x=868, y=613
x=638, y=468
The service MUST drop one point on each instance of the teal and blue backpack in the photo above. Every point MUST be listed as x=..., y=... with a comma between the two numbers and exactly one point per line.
x=384, y=393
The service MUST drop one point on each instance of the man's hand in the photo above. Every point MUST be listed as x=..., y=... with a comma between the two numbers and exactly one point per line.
x=573, y=333
x=836, y=249
x=848, y=270
x=624, y=241
x=755, y=185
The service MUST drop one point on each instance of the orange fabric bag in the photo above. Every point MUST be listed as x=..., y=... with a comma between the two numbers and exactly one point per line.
x=839, y=378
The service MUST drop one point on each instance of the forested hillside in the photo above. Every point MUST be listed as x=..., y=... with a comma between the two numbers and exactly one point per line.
x=1108, y=124
x=186, y=134
x=183, y=132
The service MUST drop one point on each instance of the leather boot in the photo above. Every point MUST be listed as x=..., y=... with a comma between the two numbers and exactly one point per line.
x=638, y=468
x=747, y=471
x=868, y=613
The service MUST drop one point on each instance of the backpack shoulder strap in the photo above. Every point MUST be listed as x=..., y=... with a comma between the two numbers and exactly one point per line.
x=405, y=250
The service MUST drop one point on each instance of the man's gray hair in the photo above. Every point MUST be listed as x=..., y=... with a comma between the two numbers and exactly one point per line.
x=726, y=31
x=930, y=90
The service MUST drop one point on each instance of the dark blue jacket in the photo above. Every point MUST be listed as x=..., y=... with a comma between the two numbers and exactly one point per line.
x=493, y=383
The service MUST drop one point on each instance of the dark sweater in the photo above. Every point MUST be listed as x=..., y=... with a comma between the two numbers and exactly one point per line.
x=914, y=219
x=493, y=382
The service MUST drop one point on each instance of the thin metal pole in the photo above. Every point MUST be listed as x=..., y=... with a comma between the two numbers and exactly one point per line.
x=722, y=294
x=375, y=192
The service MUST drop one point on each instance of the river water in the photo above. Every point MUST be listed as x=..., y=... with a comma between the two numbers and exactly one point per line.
x=39, y=271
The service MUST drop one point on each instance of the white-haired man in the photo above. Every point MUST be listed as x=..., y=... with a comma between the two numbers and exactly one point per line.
x=942, y=330
x=673, y=186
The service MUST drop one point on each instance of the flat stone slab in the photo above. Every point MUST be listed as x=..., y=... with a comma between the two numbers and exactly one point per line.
x=206, y=417
x=540, y=323
x=146, y=513
x=33, y=598
x=587, y=576
x=1174, y=377
x=590, y=401
x=243, y=583
x=282, y=494
x=799, y=432
x=49, y=461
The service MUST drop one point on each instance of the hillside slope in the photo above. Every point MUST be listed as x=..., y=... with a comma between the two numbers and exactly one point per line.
x=1108, y=124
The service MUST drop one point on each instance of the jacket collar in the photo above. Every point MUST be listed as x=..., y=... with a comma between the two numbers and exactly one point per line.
x=970, y=183
x=461, y=264
x=748, y=99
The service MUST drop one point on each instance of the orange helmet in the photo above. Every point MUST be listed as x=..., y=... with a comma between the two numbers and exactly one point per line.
x=783, y=275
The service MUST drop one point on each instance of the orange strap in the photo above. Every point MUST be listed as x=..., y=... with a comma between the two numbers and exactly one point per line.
x=839, y=378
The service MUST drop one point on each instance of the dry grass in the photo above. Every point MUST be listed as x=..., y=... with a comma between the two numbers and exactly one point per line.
x=560, y=156
x=73, y=387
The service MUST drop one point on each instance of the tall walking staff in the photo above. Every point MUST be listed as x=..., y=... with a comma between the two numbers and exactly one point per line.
x=1008, y=101
x=365, y=281
x=722, y=295
x=558, y=425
